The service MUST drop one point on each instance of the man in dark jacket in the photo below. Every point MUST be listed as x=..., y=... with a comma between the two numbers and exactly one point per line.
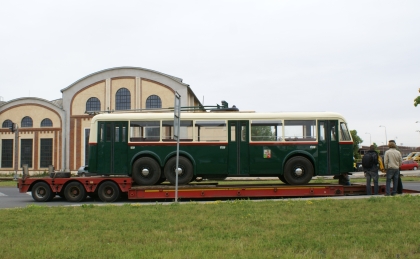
x=372, y=172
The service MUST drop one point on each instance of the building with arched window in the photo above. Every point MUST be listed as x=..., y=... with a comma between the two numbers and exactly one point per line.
x=56, y=132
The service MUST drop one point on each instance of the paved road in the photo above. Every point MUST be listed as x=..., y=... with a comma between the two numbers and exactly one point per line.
x=11, y=198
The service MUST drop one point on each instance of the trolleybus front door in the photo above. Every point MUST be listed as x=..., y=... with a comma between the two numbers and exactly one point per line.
x=238, y=161
x=328, y=148
x=112, y=148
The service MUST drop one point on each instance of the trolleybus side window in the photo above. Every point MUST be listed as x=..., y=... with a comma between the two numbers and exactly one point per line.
x=266, y=130
x=144, y=131
x=210, y=131
x=185, y=130
x=102, y=132
x=345, y=135
x=333, y=136
x=321, y=131
x=233, y=133
x=117, y=134
x=124, y=137
x=108, y=132
x=298, y=130
x=243, y=133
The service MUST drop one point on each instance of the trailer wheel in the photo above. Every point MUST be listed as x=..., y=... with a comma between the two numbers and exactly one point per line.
x=108, y=191
x=41, y=192
x=146, y=171
x=281, y=177
x=298, y=170
x=75, y=192
x=187, y=170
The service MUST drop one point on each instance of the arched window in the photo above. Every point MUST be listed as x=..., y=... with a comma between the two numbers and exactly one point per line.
x=153, y=102
x=7, y=124
x=46, y=123
x=26, y=122
x=123, y=99
x=93, y=104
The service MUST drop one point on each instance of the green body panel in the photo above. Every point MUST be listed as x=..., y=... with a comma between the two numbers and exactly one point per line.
x=109, y=156
x=93, y=158
x=270, y=159
x=346, y=158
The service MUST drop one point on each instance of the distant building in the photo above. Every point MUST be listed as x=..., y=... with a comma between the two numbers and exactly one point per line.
x=56, y=132
x=382, y=149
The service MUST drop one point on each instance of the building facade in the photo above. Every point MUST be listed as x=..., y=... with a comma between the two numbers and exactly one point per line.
x=56, y=132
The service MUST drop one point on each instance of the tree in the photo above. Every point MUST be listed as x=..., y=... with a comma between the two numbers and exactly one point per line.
x=417, y=100
x=356, y=141
x=263, y=133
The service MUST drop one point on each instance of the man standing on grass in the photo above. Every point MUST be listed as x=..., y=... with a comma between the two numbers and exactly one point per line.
x=393, y=161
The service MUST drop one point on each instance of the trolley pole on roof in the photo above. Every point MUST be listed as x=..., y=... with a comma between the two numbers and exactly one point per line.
x=177, y=115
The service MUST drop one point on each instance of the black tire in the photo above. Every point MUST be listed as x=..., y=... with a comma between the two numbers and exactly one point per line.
x=75, y=192
x=151, y=174
x=187, y=170
x=298, y=170
x=41, y=192
x=108, y=191
x=281, y=177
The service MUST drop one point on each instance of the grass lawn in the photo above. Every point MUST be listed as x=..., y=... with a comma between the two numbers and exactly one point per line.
x=377, y=227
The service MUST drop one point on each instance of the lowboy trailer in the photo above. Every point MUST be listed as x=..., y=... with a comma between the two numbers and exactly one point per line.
x=110, y=189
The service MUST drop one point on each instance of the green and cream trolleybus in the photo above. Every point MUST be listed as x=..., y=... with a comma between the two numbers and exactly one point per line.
x=292, y=146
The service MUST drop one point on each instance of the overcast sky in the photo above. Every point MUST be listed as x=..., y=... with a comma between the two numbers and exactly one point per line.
x=358, y=58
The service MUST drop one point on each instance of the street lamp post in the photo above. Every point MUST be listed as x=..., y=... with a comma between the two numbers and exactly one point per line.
x=386, y=137
x=370, y=138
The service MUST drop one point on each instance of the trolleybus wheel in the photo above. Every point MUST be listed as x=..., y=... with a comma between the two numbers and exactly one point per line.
x=146, y=171
x=42, y=192
x=75, y=192
x=108, y=191
x=298, y=170
x=281, y=177
x=185, y=176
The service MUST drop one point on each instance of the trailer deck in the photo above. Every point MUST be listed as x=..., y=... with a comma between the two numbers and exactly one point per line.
x=109, y=189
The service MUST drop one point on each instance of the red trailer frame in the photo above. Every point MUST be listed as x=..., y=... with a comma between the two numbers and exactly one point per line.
x=109, y=189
